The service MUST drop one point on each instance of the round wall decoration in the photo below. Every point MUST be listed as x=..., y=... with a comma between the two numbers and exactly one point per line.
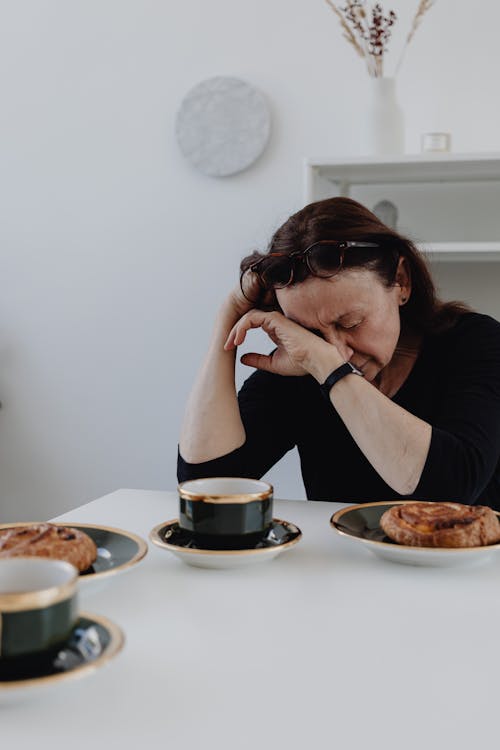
x=223, y=126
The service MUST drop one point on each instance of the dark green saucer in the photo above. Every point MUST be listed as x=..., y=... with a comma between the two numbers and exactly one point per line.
x=363, y=521
x=93, y=641
x=278, y=534
x=117, y=549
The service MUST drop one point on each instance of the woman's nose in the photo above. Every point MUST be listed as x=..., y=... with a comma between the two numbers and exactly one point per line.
x=348, y=352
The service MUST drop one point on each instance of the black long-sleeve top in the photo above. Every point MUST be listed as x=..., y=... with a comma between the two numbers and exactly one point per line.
x=454, y=386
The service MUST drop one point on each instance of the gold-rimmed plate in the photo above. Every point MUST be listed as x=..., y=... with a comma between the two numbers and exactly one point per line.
x=169, y=536
x=93, y=642
x=361, y=523
x=117, y=550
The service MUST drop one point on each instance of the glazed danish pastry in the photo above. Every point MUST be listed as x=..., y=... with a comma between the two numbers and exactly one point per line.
x=49, y=540
x=423, y=524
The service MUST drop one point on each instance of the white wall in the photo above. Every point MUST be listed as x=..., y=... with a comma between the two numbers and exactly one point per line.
x=115, y=253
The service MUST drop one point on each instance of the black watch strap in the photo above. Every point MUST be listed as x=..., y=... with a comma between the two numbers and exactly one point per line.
x=336, y=375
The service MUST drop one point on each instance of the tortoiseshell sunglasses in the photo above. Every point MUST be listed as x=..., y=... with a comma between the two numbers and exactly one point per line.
x=323, y=259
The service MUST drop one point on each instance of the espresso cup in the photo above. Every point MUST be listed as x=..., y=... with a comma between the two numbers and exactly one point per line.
x=38, y=606
x=226, y=512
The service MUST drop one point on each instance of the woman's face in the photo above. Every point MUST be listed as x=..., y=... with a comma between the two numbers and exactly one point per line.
x=354, y=311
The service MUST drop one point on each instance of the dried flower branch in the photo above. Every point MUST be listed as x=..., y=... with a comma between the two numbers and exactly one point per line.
x=369, y=31
x=423, y=7
x=347, y=31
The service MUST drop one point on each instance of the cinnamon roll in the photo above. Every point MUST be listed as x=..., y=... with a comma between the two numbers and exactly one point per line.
x=49, y=540
x=423, y=524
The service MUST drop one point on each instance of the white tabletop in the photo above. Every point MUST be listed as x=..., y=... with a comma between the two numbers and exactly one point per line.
x=327, y=646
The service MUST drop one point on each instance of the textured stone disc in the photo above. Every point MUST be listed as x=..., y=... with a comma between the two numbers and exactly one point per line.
x=223, y=126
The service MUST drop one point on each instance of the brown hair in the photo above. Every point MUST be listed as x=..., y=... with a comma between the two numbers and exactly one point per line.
x=346, y=219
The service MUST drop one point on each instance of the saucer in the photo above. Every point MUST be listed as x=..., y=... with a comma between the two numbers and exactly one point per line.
x=168, y=535
x=117, y=550
x=93, y=642
x=361, y=523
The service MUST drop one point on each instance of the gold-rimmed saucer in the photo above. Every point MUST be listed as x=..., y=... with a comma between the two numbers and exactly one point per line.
x=169, y=536
x=117, y=550
x=93, y=642
x=361, y=523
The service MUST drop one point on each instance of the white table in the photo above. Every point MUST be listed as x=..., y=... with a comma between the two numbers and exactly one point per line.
x=325, y=647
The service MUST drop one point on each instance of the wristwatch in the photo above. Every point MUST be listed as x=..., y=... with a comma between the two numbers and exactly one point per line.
x=336, y=375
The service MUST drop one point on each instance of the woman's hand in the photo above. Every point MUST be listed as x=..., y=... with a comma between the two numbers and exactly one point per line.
x=298, y=352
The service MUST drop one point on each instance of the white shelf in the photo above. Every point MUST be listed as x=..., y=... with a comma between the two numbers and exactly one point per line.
x=430, y=168
x=461, y=251
x=326, y=176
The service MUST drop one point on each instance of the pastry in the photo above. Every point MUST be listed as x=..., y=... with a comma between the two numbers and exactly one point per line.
x=48, y=540
x=422, y=524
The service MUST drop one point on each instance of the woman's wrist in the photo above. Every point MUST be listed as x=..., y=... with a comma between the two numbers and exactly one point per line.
x=227, y=315
x=234, y=307
x=323, y=360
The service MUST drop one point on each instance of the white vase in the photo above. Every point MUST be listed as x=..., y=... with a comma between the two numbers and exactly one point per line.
x=384, y=131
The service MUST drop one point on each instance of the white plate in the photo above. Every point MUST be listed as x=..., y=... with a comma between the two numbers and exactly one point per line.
x=361, y=523
x=168, y=535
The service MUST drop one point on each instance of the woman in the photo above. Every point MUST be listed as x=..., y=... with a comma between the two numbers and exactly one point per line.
x=386, y=391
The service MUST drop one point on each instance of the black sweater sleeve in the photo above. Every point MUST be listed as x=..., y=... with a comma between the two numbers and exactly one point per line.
x=465, y=444
x=268, y=409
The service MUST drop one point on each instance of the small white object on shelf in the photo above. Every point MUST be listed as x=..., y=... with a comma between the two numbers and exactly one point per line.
x=436, y=142
x=387, y=212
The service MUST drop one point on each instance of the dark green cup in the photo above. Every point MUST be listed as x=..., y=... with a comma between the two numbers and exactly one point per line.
x=226, y=512
x=38, y=606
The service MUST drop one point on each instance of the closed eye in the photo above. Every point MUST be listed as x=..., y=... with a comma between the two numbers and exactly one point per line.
x=348, y=327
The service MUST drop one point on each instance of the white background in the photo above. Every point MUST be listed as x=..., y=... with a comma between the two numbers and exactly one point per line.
x=115, y=253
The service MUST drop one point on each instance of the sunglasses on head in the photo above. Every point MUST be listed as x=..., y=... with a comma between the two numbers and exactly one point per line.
x=323, y=260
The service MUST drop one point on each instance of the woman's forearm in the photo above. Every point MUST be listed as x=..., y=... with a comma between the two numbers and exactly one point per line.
x=394, y=441
x=212, y=424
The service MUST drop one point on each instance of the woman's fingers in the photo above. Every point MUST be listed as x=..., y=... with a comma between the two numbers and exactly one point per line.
x=235, y=338
x=259, y=361
x=293, y=343
x=252, y=319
